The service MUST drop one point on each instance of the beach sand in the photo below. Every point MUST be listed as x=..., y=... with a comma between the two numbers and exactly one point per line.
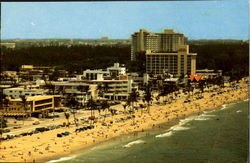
x=44, y=146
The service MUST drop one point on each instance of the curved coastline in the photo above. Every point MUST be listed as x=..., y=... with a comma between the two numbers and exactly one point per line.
x=159, y=133
x=66, y=146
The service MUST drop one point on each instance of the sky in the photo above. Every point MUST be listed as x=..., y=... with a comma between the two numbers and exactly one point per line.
x=118, y=20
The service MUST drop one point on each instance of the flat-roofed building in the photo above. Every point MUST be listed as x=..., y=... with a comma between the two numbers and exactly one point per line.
x=8, y=45
x=33, y=105
x=114, y=89
x=209, y=73
x=176, y=63
x=168, y=41
x=92, y=74
x=15, y=93
x=116, y=70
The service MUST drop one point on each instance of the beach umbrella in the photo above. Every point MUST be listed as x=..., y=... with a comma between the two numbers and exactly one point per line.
x=198, y=77
x=191, y=77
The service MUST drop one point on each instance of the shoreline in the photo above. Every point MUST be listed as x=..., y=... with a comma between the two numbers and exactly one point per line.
x=153, y=131
x=66, y=146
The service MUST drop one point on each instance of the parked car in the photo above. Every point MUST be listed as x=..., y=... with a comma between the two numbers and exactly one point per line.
x=92, y=118
x=36, y=123
x=66, y=133
x=10, y=136
x=16, y=127
x=6, y=130
x=59, y=135
x=24, y=134
x=41, y=129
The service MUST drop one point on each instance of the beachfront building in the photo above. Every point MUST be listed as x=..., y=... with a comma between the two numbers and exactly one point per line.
x=8, y=45
x=209, y=73
x=168, y=41
x=111, y=72
x=33, y=105
x=32, y=73
x=175, y=63
x=114, y=89
x=82, y=92
x=93, y=74
x=25, y=68
x=113, y=83
x=116, y=70
x=15, y=93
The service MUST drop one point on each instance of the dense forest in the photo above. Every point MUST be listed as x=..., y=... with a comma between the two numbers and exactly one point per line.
x=77, y=58
x=229, y=57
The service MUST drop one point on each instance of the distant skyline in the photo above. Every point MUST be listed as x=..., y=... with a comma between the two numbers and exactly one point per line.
x=118, y=20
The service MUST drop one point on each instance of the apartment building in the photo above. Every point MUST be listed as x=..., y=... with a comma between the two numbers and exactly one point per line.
x=168, y=41
x=114, y=89
x=175, y=63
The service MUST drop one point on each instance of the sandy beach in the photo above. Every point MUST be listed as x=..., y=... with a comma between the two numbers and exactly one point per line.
x=43, y=146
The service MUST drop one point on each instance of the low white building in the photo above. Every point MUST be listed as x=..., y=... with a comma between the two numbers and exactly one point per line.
x=92, y=74
x=209, y=73
x=15, y=93
x=116, y=70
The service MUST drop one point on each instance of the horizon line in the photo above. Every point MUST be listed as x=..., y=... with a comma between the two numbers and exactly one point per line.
x=108, y=39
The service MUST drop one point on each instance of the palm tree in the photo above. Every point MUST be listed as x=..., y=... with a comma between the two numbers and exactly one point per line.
x=100, y=90
x=104, y=106
x=201, y=86
x=91, y=106
x=5, y=102
x=81, y=89
x=24, y=100
x=112, y=111
x=133, y=96
x=148, y=96
x=128, y=102
x=106, y=87
x=99, y=106
x=67, y=115
x=73, y=104
x=124, y=107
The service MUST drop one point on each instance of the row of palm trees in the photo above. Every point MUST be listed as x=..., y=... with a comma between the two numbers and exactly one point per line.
x=163, y=91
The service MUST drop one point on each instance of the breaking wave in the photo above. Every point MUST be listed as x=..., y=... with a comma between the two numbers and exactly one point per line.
x=164, y=134
x=61, y=159
x=133, y=143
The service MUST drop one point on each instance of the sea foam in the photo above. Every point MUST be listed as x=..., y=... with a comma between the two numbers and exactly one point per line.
x=201, y=119
x=61, y=159
x=133, y=143
x=179, y=128
x=223, y=107
x=164, y=135
x=206, y=112
x=238, y=111
x=208, y=115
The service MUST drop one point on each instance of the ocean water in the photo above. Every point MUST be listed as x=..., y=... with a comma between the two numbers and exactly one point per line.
x=213, y=136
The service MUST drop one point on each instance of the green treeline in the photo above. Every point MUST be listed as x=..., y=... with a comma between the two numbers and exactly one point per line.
x=232, y=58
x=75, y=58
x=229, y=57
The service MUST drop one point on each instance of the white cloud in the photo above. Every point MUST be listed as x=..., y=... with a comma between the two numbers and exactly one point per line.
x=32, y=23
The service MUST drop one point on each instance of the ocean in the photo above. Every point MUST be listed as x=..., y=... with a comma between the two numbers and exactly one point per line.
x=213, y=136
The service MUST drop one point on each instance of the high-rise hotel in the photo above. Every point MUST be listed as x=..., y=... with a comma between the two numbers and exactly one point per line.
x=165, y=52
